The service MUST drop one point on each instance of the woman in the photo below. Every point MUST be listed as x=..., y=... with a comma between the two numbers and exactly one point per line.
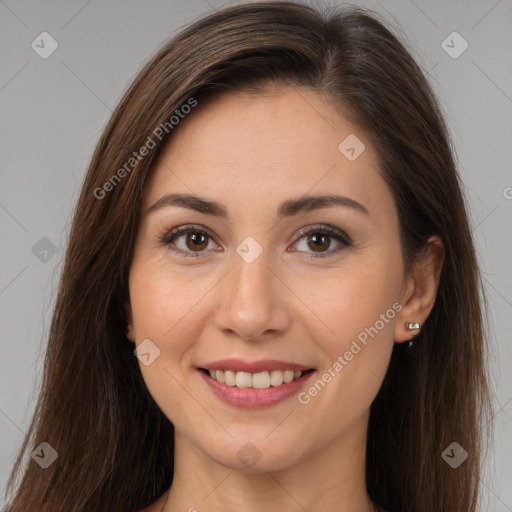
x=272, y=223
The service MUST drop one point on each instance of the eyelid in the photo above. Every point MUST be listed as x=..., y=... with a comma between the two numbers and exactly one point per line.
x=185, y=229
x=322, y=228
x=180, y=231
x=340, y=236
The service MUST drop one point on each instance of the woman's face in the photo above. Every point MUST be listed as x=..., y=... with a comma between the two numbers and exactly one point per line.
x=259, y=280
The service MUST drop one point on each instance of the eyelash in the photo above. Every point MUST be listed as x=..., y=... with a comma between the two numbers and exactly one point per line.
x=322, y=229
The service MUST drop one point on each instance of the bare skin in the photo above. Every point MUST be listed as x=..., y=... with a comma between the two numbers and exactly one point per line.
x=251, y=153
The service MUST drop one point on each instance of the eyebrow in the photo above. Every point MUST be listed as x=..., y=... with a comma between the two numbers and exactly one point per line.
x=287, y=209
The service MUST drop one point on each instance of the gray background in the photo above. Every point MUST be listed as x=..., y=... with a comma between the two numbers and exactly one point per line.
x=54, y=110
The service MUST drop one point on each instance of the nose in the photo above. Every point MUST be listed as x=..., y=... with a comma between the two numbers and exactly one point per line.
x=252, y=301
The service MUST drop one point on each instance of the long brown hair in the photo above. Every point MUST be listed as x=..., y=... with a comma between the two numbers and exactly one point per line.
x=115, y=446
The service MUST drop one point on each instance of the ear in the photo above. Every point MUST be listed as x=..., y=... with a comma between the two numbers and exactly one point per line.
x=420, y=290
x=130, y=331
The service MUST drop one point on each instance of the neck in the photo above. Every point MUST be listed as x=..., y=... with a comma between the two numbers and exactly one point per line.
x=329, y=479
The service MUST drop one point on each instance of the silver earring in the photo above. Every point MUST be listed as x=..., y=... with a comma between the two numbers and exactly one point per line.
x=412, y=326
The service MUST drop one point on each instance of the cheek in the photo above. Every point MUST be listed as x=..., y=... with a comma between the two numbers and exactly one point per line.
x=170, y=307
x=165, y=308
x=166, y=303
x=357, y=309
x=354, y=301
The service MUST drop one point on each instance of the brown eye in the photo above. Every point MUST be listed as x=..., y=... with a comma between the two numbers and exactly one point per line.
x=319, y=242
x=195, y=241
x=316, y=241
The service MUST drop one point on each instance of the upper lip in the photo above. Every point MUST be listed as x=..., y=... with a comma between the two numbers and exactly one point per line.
x=239, y=365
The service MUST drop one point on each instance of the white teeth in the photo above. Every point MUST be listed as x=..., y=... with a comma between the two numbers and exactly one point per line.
x=229, y=378
x=243, y=380
x=260, y=380
x=288, y=376
x=276, y=378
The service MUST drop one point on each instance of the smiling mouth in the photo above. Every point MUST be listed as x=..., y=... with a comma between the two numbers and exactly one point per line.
x=259, y=380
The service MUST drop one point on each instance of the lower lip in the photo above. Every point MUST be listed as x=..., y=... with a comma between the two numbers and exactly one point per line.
x=250, y=398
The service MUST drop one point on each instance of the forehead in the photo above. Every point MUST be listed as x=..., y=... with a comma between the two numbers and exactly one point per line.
x=265, y=147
